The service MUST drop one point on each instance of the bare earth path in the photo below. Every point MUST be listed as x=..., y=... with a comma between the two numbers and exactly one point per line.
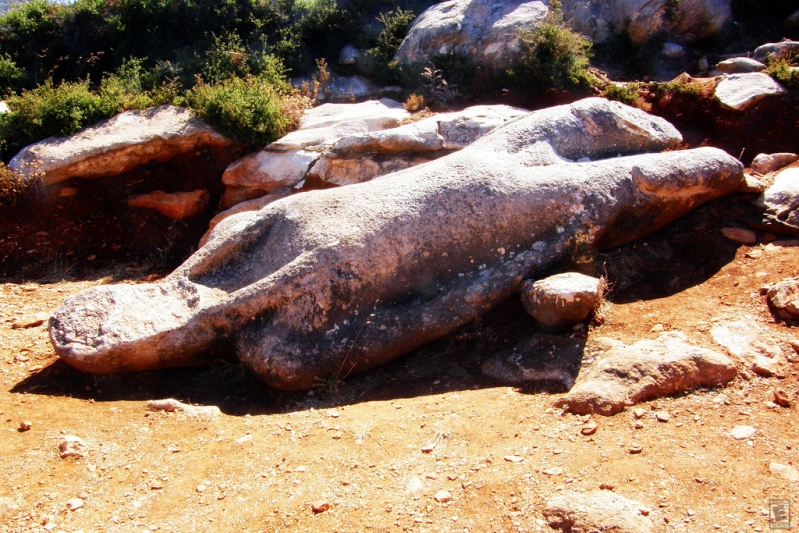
x=374, y=452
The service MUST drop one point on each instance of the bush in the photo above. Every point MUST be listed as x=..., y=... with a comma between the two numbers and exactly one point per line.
x=554, y=56
x=52, y=110
x=11, y=76
x=783, y=69
x=14, y=187
x=248, y=110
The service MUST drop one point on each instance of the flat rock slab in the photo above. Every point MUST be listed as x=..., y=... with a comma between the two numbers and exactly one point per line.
x=765, y=163
x=177, y=205
x=342, y=280
x=598, y=510
x=625, y=375
x=538, y=361
x=117, y=145
x=740, y=65
x=741, y=91
x=563, y=299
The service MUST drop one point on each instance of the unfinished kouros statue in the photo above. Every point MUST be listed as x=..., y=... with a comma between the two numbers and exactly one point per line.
x=338, y=281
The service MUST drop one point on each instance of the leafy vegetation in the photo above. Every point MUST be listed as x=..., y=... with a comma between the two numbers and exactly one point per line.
x=555, y=57
x=65, y=66
x=249, y=110
x=14, y=187
x=785, y=69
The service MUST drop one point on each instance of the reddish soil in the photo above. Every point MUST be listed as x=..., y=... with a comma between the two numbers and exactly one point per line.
x=357, y=445
x=376, y=448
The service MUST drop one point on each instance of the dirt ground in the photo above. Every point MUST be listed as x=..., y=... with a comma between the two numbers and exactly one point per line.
x=372, y=451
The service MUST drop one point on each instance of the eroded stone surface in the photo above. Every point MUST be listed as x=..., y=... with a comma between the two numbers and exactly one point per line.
x=765, y=163
x=117, y=145
x=741, y=91
x=740, y=65
x=342, y=280
x=780, y=203
x=562, y=299
x=178, y=205
x=626, y=375
x=598, y=510
x=539, y=360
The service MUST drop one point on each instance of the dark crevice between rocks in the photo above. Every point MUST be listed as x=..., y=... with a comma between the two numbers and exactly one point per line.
x=84, y=229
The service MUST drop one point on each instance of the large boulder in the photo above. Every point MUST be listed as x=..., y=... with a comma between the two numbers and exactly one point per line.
x=684, y=22
x=625, y=375
x=780, y=203
x=563, y=299
x=337, y=281
x=359, y=158
x=742, y=91
x=785, y=47
x=284, y=163
x=488, y=31
x=118, y=145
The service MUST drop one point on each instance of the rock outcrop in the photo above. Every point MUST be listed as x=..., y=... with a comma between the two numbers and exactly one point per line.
x=684, y=22
x=284, y=163
x=117, y=145
x=341, y=280
x=783, y=297
x=625, y=375
x=598, y=510
x=488, y=32
x=782, y=48
x=741, y=91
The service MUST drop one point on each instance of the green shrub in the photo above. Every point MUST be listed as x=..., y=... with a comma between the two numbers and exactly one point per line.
x=14, y=187
x=52, y=110
x=376, y=62
x=11, y=76
x=554, y=56
x=626, y=93
x=784, y=70
x=248, y=110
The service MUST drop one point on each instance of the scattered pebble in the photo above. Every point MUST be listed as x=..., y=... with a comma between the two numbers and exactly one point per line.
x=427, y=448
x=742, y=432
x=639, y=424
x=72, y=446
x=662, y=416
x=781, y=398
x=25, y=425
x=636, y=448
x=785, y=472
x=338, y=434
x=443, y=496
x=589, y=428
x=514, y=458
x=74, y=504
x=29, y=321
x=320, y=506
x=171, y=405
x=639, y=412
x=552, y=471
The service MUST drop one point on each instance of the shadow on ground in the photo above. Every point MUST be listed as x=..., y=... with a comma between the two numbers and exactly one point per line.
x=684, y=253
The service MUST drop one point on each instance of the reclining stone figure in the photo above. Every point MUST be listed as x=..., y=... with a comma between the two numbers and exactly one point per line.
x=338, y=281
